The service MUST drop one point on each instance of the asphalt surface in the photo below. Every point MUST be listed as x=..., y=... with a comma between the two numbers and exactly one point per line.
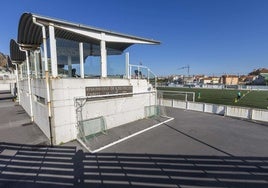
x=196, y=133
x=15, y=124
x=194, y=150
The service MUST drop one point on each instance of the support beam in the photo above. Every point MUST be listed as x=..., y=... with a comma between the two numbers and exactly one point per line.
x=53, y=51
x=81, y=54
x=103, y=57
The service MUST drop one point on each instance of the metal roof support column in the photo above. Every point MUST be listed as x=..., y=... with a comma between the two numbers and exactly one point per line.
x=103, y=57
x=81, y=54
x=127, y=66
x=17, y=80
x=20, y=71
x=29, y=83
x=53, y=51
x=35, y=65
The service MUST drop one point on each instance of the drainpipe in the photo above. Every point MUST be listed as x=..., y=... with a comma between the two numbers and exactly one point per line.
x=29, y=83
x=17, y=80
x=47, y=78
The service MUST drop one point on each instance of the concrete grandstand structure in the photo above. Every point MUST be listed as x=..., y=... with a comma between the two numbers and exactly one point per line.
x=56, y=87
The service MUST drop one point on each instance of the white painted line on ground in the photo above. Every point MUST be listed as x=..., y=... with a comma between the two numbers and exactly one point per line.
x=83, y=144
x=132, y=135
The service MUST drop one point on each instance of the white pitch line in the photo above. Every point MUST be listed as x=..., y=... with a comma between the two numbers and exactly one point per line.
x=246, y=94
x=132, y=135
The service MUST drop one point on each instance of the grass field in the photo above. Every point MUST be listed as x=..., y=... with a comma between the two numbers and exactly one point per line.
x=252, y=99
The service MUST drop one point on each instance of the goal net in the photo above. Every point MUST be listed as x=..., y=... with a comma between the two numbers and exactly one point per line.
x=98, y=114
x=176, y=95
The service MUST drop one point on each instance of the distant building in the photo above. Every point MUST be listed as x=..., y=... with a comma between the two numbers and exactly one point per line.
x=261, y=79
x=215, y=80
x=211, y=80
x=230, y=79
x=207, y=80
x=198, y=78
x=188, y=80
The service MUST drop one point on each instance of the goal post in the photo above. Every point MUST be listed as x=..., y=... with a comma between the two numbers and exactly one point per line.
x=176, y=95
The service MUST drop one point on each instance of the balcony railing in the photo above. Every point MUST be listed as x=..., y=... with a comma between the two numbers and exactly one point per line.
x=142, y=72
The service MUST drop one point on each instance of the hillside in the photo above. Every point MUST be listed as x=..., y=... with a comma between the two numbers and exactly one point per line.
x=3, y=60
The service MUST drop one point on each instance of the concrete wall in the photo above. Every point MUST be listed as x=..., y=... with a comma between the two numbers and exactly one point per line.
x=4, y=85
x=232, y=111
x=119, y=111
x=239, y=112
x=195, y=106
x=214, y=109
x=116, y=111
x=24, y=96
x=260, y=115
x=179, y=104
x=40, y=111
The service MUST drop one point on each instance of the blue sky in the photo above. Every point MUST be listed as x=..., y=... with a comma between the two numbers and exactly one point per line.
x=212, y=36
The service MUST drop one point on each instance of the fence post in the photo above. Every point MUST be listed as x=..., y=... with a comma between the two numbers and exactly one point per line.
x=225, y=111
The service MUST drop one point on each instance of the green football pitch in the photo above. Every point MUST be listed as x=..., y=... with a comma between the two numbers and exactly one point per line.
x=252, y=99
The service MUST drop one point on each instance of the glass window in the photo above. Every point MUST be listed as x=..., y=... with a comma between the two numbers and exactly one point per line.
x=92, y=61
x=116, y=67
x=43, y=58
x=68, y=58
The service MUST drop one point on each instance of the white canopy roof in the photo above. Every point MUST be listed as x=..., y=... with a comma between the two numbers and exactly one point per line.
x=30, y=34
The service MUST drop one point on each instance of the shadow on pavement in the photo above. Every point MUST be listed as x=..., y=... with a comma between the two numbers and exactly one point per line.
x=64, y=166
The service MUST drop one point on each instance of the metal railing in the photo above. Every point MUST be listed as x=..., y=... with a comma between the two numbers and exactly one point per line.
x=142, y=72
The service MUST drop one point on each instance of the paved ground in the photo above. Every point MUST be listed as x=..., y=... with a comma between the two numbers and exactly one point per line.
x=15, y=125
x=121, y=132
x=196, y=133
x=194, y=150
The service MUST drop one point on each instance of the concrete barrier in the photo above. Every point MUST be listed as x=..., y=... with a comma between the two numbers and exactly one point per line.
x=167, y=102
x=232, y=111
x=195, y=106
x=179, y=104
x=260, y=115
x=240, y=112
x=214, y=109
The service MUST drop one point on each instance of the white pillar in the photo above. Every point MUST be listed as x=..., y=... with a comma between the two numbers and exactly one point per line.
x=69, y=66
x=127, y=66
x=17, y=80
x=53, y=51
x=103, y=57
x=29, y=85
x=21, y=75
x=35, y=64
x=81, y=53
